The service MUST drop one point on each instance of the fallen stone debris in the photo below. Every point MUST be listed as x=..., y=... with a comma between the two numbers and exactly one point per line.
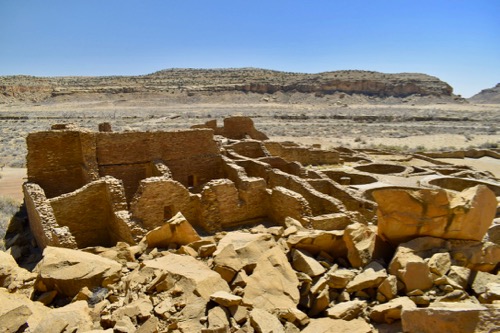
x=218, y=229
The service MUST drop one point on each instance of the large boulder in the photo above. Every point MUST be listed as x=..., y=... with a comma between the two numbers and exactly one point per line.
x=189, y=274
x=67, y=271
x=328, y=325
x=14, y=277
x=177, y=230
x=451, y=318
x=404, y=214
x=238, y=250
x=273, y=284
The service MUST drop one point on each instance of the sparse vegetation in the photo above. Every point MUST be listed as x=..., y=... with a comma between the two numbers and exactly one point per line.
x=8, y=207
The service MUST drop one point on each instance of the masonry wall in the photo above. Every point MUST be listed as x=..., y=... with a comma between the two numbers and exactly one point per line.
x=61, y=161
x=303, y=155
x=159, y=199
x=191, y=156
x=42, y=221
x=89, y=212
x=319, y=202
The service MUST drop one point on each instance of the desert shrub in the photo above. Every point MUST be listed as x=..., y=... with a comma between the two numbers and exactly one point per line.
x=8, y=208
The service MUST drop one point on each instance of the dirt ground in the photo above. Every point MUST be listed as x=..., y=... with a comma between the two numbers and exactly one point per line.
x=403, y=127
x=11, y=182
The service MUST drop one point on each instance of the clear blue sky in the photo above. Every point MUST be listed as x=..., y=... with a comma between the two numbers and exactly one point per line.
x=457, y=41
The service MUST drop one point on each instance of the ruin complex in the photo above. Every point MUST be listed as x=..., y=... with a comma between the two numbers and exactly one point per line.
x=219, y=229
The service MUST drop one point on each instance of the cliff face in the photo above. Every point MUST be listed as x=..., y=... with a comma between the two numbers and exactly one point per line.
x=487, y=96
x=190, y=81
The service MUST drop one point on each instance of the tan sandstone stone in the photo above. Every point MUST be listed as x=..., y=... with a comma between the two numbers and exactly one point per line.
x=406, y=214
x=328, y=325
x=190, y=274
x=68, y=271
x=451, y=318
x=177, y=230
x=273, y=284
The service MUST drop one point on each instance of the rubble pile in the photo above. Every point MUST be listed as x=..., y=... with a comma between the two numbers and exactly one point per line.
x=333, y=248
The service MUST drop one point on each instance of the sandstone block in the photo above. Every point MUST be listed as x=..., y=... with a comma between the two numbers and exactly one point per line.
x=405, y=214
x=389, y=287
x=346, y=310
x=328, y=325
x=316, y=241
x=273, y=284
x=371, y=277
x=191, y=275
x=304, y=262
x=410, y=269
x=238, y=249
x=360, y=242
x=339, y=278
x=264, y=322
x=177, y=230
x=440, y=263
x=226, y=299
x=451, y=318
x=218, y=319
x=391, y=311
x=68, y=271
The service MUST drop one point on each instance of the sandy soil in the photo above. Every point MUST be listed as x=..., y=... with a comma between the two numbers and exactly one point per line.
x=11, y=182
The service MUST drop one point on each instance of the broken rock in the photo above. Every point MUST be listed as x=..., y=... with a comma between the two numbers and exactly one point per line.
x=391, y=311
x=177, y=230
x=304, y=262
x=68, y=271
x=328, y=325
x=404, y=214
x=189, y=274
x=273, y=284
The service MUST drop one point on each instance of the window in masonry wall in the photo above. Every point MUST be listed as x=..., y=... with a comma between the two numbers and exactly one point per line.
x=192, y=180
x=167, y=213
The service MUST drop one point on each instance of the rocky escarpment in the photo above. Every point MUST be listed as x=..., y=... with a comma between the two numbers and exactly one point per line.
x=487, y=96
x=213, y=81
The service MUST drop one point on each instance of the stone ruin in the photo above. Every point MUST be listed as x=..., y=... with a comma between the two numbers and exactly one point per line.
x=219, y=229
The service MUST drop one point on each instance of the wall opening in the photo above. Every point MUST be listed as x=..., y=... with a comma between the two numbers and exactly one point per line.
x=167, y=213
x=192, y=180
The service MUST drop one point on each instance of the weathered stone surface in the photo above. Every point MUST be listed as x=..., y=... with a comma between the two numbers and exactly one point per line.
x=328, y=325
x=138, y=310
x=339, y=278
x=371, y=277
x=481, y=280
x=13, y=315
x=440, y=263
x=315, y=241
x=346, y=310
x=68, y=271
x=406, y=214
x=239, y=249
x=14, y=277
x=190, y=275
x=74, y=317
x=304, y=262
x=410, y=269
x=391, y=311
x=218, y=319
x=360, y=241
x=177, y=230
x=273, y=284
x=451, y=318
x=225, y=299
x=18, y=310
x=264, y=322
x=389, y=287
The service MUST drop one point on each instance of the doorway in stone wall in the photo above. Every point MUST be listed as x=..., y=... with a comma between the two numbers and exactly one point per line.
x=192, y=180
